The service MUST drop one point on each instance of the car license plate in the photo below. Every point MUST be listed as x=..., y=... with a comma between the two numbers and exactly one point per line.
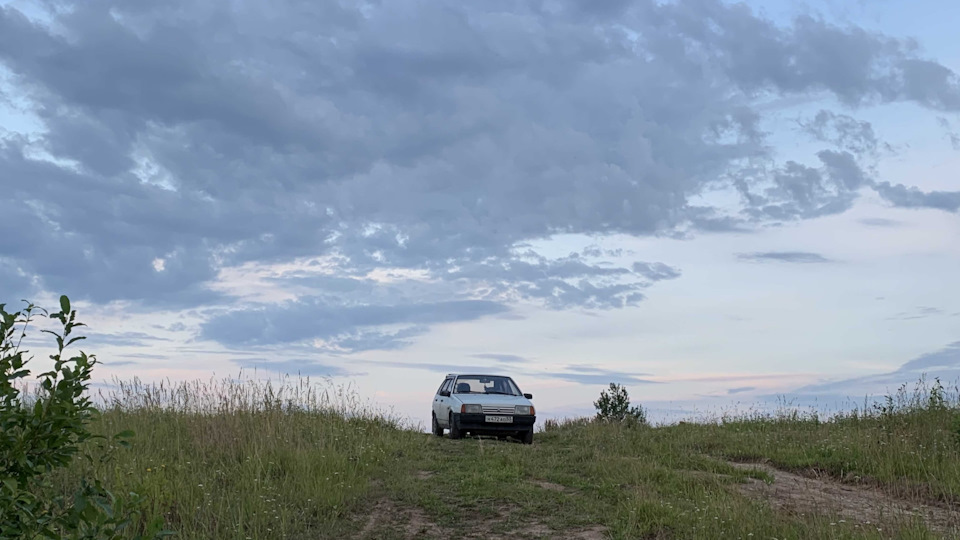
x=500, y=419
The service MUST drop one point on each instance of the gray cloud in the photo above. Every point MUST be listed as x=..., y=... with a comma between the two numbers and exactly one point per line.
x=593, y=375
x=740, y=389
x=503, y=358
x=342, y=327
x=441, y=369
x=911, y=197
x=944, y=363
x=597, y=251
x=369, y=340
x=784, y=256
x=948, y=357
x=844, y=132
x=798, y=191
x=599, y=379
x=578, y=374
x=123, y=339
x=951, y=135
x=436, y=137
x=563, y=282
x=142, y=356
x=16, y=282
x=921, y=312
x=308, y=368
x=881, y=222
x=655, y=271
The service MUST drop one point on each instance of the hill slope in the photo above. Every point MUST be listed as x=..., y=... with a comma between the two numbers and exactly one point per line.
x=230, y=460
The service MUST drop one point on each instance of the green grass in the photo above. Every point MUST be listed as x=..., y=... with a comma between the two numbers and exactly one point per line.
x=245, y=460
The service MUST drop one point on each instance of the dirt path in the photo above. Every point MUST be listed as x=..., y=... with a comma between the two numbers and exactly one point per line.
x=389, y=519
x=410, y=523
x=405, y=522
x=860, y=504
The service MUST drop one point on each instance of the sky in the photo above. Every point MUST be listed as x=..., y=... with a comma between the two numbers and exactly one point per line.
x=715, y=204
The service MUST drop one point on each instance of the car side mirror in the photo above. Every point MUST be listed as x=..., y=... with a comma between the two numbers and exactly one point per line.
x=528, y=396
x=445, y=393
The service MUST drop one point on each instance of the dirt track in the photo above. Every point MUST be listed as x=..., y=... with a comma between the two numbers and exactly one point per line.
x=860, y=504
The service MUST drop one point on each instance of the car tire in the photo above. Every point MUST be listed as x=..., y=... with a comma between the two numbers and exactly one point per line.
x=454, y=429
x=437, y=430
x=527, y=437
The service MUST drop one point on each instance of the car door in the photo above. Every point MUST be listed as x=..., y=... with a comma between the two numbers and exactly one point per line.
x=439, y=402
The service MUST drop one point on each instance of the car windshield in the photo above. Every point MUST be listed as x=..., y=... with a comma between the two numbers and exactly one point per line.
x=486, y=384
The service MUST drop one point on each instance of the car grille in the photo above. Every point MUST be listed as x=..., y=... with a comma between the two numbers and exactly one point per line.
x=494, y=409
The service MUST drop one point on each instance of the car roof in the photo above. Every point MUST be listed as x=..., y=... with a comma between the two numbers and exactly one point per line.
x=455, y=375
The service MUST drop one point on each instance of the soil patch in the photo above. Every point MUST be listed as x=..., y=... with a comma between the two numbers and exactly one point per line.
x=551, y=486
x=410, y=522
x=390, y=519
x=861, y=504
x=539, y=530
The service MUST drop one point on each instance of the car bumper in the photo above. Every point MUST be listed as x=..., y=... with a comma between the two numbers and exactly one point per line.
x=477, y=423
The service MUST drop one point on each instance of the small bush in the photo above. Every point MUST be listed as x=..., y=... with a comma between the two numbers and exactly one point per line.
x=614, y=406
x=43, y=433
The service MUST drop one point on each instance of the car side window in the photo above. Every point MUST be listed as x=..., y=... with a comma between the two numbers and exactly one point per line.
x=445, y=386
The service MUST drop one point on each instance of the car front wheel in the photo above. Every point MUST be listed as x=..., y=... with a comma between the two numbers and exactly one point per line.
x=454, y=429
x=527, y=437
x=437, y=430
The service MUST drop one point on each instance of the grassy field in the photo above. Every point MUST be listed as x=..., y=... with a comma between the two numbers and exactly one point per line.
x=226, y=460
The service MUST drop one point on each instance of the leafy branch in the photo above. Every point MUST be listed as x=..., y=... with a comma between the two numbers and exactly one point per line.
x=46, y=434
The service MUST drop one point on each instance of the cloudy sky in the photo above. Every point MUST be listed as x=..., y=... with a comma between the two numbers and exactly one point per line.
x=710, y=202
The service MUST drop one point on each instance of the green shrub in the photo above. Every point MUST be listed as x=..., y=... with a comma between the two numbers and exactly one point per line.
x=614, y=406
x=43, y=433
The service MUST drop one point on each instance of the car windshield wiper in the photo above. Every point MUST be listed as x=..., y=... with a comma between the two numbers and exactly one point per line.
x=502, y=393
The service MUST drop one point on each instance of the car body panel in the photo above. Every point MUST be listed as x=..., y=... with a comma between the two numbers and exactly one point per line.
x=475, y=423
x=441, y=407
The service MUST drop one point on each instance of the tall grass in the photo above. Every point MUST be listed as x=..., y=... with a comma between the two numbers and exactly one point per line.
x=297, y=458
x=908, y=442
x=247, y=458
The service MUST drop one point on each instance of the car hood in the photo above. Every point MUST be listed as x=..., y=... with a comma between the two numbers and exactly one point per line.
x=492, y=399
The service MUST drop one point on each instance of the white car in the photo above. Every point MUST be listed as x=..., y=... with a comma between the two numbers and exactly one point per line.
x=483, y=405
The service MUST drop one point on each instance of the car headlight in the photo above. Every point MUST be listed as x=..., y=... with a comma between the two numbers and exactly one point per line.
x=472, y=409
x=524, y=409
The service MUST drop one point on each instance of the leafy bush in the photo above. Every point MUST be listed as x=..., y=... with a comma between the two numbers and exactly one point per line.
x=614, y=406
x=43, y=433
